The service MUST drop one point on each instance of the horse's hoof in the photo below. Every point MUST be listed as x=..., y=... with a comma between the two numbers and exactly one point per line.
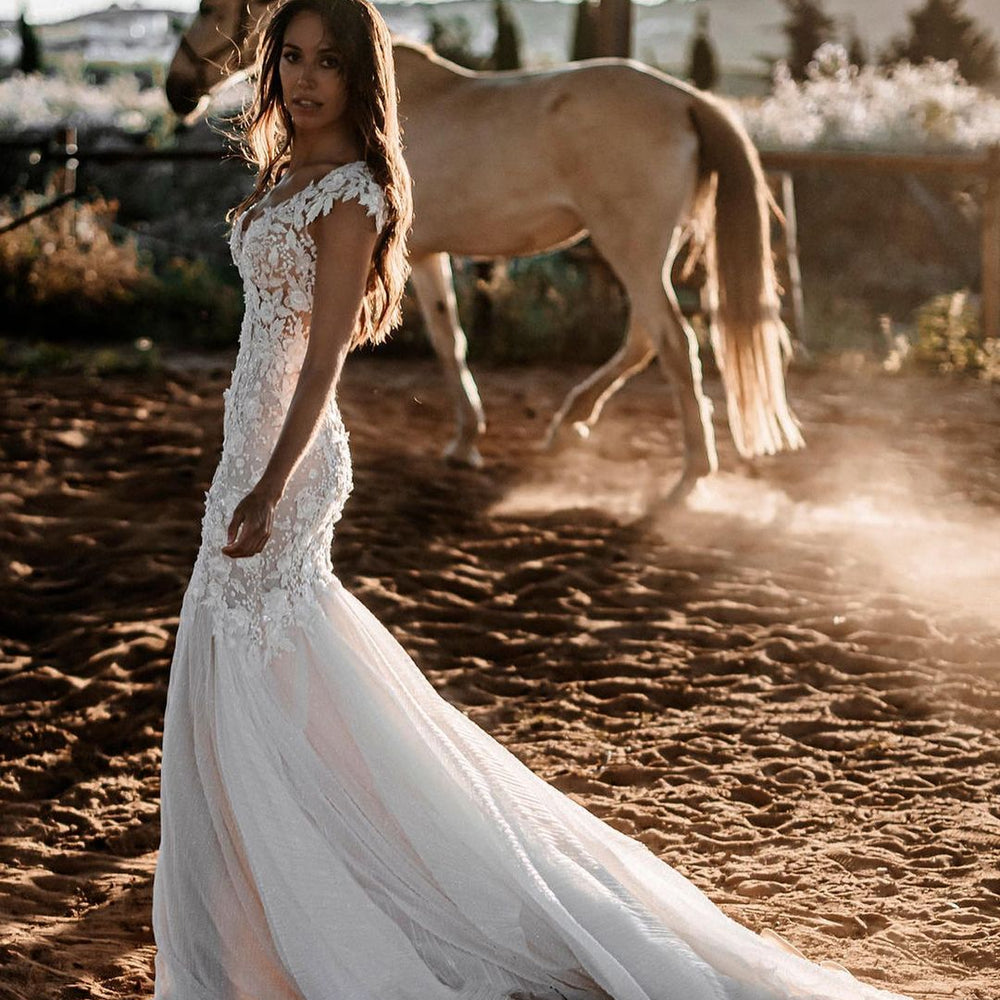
x=681, y=491
x=561, y=436
x=661, y=505
x=464, y=455
x=554, y=440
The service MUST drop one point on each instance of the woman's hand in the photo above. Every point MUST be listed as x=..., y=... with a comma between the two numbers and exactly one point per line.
x=255, y=515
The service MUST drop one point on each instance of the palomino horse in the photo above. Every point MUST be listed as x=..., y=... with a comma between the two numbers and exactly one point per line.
x=514, y=163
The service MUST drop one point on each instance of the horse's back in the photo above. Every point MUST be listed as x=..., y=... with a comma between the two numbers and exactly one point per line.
x=615, y=110
x=521, y=161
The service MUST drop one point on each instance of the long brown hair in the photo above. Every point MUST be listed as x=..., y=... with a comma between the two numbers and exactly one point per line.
x=266, y=132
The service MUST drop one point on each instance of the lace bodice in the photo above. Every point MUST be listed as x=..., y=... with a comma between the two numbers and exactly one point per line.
x=259, y=597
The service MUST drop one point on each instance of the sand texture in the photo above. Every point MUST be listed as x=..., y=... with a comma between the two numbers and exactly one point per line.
x=790, y=690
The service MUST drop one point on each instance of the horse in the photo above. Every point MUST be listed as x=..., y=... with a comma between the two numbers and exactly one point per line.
x=519, y=162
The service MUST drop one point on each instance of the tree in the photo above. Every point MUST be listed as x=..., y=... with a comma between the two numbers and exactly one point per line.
x=507, y=48
x=451, y=37
x=807, y=28
x=614, y=28
x=703, y=71
x=585, y=30
x=941, y=30
x=857, y=53
x=31, y=48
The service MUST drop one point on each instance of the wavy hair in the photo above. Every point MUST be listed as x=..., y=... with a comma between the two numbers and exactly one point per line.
x=265, y=132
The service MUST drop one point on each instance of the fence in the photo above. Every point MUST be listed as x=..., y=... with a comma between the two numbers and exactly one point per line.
x=982, y=165
x=64, y=152
x=782, y=165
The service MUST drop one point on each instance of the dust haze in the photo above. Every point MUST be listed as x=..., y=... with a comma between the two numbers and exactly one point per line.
x=891, y=511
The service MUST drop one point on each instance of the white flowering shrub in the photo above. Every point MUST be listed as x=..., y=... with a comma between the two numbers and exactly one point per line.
x=903, y=108
x=38, y=102
x=43, y=102
x=68, y=277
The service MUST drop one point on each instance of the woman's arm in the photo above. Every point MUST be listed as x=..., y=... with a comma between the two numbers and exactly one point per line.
x=345, y=240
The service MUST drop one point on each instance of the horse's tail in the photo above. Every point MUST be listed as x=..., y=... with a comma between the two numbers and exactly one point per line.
x=731, y=230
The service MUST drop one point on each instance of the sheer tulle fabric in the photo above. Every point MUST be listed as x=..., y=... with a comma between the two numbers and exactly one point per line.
x=333, y=829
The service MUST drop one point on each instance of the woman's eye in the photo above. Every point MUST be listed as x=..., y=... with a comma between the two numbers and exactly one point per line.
x=331, y=62
x=289, y=56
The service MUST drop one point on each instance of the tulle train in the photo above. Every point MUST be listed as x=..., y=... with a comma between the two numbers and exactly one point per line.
x=333, y=829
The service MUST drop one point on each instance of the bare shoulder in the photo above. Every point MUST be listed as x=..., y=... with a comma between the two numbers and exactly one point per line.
x=348, y=225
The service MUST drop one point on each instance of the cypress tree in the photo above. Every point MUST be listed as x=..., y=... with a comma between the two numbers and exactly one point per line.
x=857, y=51
x=585, y=31
x=451, y=37
x=703, y=71
x=942, y=30
x=807, y=28
x=614, y=28
x=856, y=54
x=507, y=49
x=31, y=48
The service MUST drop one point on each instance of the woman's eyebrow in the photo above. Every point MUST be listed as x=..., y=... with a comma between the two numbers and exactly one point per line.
x=325, y=50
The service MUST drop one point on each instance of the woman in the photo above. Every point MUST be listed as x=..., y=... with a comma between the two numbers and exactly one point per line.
x=332, y=829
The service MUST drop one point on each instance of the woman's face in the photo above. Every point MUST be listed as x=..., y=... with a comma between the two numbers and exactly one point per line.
x=313, y=86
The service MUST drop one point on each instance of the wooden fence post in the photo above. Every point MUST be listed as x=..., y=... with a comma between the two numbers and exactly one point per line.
x=786, y=252
x=66, y=149
x=64, y=185
x=991, y=246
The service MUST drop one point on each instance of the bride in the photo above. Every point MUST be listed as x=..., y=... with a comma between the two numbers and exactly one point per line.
x=333, y=829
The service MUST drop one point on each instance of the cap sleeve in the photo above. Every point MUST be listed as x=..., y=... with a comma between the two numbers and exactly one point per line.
x=352, y=180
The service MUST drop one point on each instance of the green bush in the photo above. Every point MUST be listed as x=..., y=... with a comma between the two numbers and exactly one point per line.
x=65, y=279
x=41, y=357
x=558, y=306
x=949, y=339
x=192, y=304
x=563, y=306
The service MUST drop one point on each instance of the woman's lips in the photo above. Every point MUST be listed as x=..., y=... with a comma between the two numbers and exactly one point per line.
x=305, y=104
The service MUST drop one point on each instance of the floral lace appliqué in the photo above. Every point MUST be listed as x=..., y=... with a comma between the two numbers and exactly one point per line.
x=258, y=600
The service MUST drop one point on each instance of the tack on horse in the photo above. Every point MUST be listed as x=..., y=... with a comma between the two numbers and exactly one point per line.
x=514, y=163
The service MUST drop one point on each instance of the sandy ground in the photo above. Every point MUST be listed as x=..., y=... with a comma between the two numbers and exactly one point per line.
x=790, y=690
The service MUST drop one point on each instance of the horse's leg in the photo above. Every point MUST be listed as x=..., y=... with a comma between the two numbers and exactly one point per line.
x=655, y=305
x=432, y=281
x=637, y=222
x=654, y=309
x=584, y=403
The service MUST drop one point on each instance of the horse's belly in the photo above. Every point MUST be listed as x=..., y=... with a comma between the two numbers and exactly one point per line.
x=482, y=229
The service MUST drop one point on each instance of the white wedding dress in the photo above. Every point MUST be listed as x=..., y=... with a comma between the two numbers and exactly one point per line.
x=332, y=828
